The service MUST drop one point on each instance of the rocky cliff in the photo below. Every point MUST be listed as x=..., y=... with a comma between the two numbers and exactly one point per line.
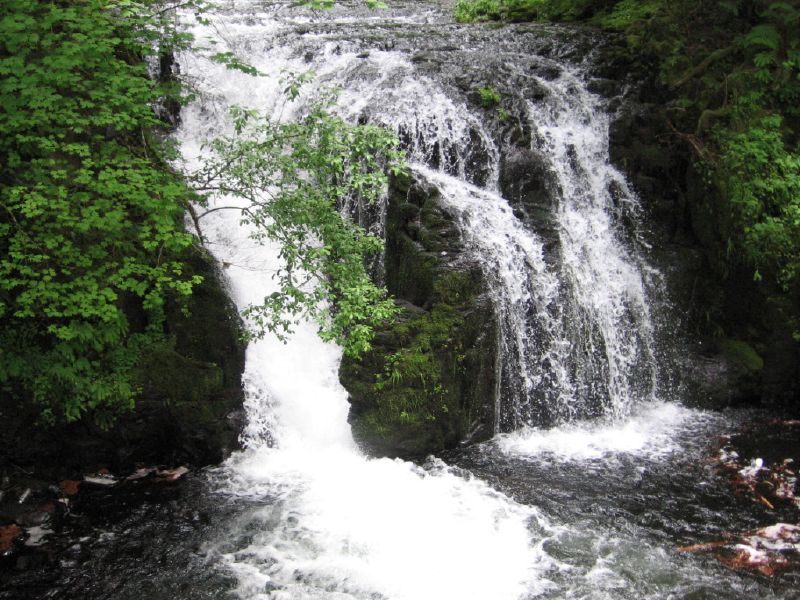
x=738, y=330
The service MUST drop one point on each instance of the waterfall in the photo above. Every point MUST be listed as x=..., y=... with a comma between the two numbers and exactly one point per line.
x=607, y=319
x=325, y=521
x=525, y=292
x=578, y=338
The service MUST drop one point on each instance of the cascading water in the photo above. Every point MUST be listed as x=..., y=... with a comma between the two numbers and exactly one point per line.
x=336, y=524
x=525, y=292
x=317, y=519
x=580, y=340
x=609, y=327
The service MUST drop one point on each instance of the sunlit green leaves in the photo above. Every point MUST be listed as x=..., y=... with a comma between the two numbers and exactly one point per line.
x=294, y=177
x=230, y=60
x=90, y=216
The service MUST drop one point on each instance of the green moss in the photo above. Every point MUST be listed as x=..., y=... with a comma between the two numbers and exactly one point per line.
x=489, y=96
x=468, y=11
x=412, y=376
x=412, y=271
x=408, y=393
x=626, y=13
x=455, y=288
x=742, y=353
x=177, y=379
x=425, y=384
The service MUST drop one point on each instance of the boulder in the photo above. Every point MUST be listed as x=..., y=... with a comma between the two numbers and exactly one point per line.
x=429, y=382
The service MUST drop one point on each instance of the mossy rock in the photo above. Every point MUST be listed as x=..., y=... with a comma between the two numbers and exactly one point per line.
x=742, y=354
x=428, y=383
x=191, y=400
x=189, y=410
x=176, y=378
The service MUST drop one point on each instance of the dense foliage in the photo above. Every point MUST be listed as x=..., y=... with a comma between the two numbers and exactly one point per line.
x=92, y=238
x=736, y=79
x=733, y=67
x=90, y=218
x=526, y=10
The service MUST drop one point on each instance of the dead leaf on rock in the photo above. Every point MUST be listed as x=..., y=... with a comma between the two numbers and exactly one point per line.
x=172, y=474
x=703, y=547
x=69, y=487
x=8, y=534
x=141, y=473
x=767, y=550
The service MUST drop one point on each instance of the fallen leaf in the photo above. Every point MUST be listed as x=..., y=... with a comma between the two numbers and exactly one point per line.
x=172, y=474
x=8, y=534
x=69, y=487
x=703, y=547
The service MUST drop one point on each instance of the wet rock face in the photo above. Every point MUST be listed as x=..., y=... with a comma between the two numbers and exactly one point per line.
x=193, y=392
x=718, y=379
x=716, y=306
x=189, y=411
x=524, y=180
x=527, y=184
x=428, y=384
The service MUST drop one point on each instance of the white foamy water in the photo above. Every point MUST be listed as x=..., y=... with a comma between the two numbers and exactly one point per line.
x=338, y=525
x=650, y=431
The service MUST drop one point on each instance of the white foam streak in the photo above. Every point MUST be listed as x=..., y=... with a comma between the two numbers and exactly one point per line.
x=609, y=318
x=650, y=432
x=524, y=289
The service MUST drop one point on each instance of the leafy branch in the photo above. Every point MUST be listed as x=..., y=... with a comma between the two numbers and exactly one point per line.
x=295, y=178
